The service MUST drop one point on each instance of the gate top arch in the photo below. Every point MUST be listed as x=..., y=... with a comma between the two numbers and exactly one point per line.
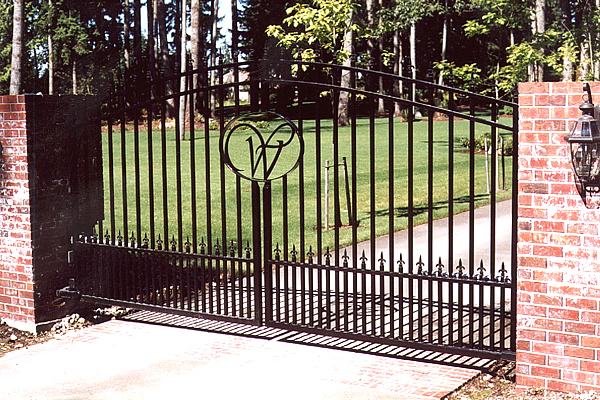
x=261, y=146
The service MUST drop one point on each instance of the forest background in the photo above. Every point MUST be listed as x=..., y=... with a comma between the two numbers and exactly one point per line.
x=81, y=47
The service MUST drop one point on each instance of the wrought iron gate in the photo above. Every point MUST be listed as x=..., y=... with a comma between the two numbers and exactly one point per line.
x=184, y=234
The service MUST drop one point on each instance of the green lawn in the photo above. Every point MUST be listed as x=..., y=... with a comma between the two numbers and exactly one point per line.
x=223, y=192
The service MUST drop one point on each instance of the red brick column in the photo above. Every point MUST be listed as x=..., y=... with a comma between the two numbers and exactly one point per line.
x=558, y=325
x=16, y=261
x=50, y=191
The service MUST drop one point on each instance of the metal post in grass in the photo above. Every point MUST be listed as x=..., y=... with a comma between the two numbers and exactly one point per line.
x=348, y=202
x=487, y=167
x=327, y=194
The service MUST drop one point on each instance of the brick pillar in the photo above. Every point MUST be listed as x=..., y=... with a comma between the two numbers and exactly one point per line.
x=50, y=191
x=16, y=259
x=558, y=327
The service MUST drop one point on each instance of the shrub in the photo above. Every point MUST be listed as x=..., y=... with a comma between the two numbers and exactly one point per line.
x=480, y=143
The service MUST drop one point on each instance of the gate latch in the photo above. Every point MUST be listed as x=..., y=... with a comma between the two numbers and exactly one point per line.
x=69, y=292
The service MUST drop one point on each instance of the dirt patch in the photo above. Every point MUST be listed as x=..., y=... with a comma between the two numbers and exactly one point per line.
x=12, y=339
x=499, y=383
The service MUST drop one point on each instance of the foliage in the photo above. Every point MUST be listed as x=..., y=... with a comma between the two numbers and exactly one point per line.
x=489, y=39
x=256, y=17
x=403, y=13
x=315, y=32
x=5, y=43
x=480, y=143
x=466, y=77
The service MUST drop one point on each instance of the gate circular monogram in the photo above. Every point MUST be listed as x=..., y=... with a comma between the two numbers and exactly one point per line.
x=261, y=147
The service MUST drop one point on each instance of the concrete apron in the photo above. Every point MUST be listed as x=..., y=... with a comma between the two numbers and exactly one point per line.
x=130, y=360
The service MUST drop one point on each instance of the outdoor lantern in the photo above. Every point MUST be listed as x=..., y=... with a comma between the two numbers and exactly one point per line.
x=584, y=143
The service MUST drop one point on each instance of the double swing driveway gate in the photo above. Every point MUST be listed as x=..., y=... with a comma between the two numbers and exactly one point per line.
x=214, y=206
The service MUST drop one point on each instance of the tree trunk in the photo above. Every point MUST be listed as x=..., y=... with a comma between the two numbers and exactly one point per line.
x=155, y=24
x=195, y=39
x=445, y=28
x=584, y=61
x=16, y=64
x=165, y=64
x=137, y=32
x=343, y=112
x=126, y=26
x=213, y=56
x=370, y=5
x=234, y=31
x=195, y=35
x=74, y=73
x=538, y=27
x=182, y=79
x=398, y=72
x=413, y=54
x=50, y=56
x=150, y=45
x=380, y=50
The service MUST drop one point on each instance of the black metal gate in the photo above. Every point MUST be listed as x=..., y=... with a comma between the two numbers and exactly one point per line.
x=290, y=234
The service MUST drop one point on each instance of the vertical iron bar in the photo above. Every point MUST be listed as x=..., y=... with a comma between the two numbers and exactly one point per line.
x=421, y=282
x=151, y=173
x=163, y=127
x=181, y=262
x=293, y=292
x=225, y=284
x=240, y=277
x=392, y=214
x=207, y=170
x=318, y=174
x=319, y=199
x=430, y=177
x=502, y=344
x=302, y=219
x=471, y=216
x=257, y=253
x=193, y=182
x=492, y=267
x=440, y=305
x=221, y=163
x=482, y=311
x=218, y=262
x=450, y=262
x=232, y=253
x=238, y=201
x=286, y=269
x=461, y=290
x=124, y=176
x=311, y=288
x=138, y=205
x=111, y=180
x=372, y=203
x=194, y=261
x=410, y=195
x=354, y=201
x=514, y=237
x=268, y=255
x=336, y=195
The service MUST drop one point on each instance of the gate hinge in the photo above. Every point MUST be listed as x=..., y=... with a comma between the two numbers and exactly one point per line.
x=69, y=292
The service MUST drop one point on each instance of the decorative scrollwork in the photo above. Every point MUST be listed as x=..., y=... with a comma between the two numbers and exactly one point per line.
x=261, y=147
